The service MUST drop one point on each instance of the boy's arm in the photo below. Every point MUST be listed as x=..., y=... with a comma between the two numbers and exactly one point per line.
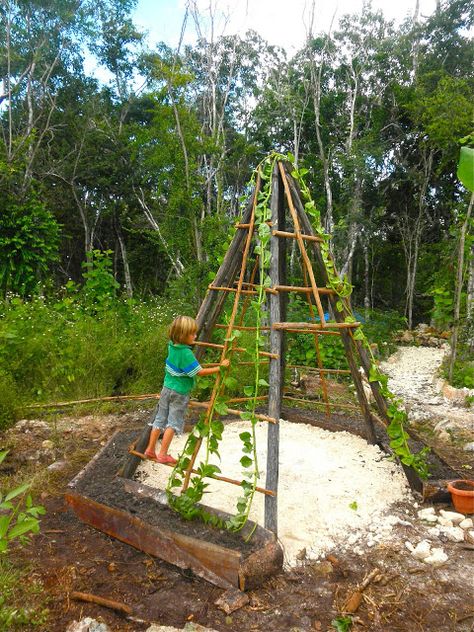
x=214, y=369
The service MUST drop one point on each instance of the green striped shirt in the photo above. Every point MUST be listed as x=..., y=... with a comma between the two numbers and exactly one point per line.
x=180, y=368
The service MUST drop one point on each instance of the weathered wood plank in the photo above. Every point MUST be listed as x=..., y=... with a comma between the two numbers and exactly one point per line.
x=276, y=370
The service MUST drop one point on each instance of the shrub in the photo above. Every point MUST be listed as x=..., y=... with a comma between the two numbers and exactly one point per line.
x=8, y=400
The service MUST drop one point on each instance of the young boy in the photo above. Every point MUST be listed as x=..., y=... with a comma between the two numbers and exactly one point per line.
x=180, y=368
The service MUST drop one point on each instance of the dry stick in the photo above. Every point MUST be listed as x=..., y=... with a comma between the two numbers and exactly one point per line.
x=217, y=383
x=101, y=601
x=314, y=368
x=268, y=290
x=281, y=233
x=301, y=245
x=304, y=290
x=224, y=479
x=317, y=327
x=316, y=344
x=316, y=403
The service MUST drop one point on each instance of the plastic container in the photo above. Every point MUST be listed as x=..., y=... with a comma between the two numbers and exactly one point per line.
x=462, y=494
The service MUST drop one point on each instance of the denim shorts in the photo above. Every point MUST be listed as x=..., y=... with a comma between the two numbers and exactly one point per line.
x=171, y=410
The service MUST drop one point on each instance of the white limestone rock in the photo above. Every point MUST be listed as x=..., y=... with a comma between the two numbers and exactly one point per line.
x=467, y=523
x=436, y=558
x=422, y=550
x=454, y=534
x=444, y=522
x=454, y=516
x=427, y=511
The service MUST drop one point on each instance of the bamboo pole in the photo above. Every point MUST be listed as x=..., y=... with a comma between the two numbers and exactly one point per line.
x=217, y=477
x=217, y=382
x=316, y=403
x=280, y=233
x=289, y=325
x=268, y=290
x=301, y=289
x=301, y=245
x=315, y=368
x=243, y=328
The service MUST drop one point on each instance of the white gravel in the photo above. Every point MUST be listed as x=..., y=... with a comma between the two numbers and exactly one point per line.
x=322, y=474
x=414, y=376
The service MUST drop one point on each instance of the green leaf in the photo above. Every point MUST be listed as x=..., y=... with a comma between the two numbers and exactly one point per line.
x=248, y=391
x=3, y=455
x=25, y=526
x=262, y=382
x=246, y=461
x=17, y=491
x=353, y=506
x=245, y=436
x=342, y=624
x=465, y=171
x=221, y=408
x=4, y=523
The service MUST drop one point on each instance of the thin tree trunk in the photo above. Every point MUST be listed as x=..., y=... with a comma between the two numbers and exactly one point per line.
x=123, y=252
x=470, y=286
x=176, y=263
x=366, y=278
x=458, y=289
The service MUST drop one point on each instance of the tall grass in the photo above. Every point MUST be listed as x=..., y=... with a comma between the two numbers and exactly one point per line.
x=64, y=349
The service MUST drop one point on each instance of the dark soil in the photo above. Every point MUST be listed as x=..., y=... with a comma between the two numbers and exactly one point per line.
x=70, y=556
x=101, y=484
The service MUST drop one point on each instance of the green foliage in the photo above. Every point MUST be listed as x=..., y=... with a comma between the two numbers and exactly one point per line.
x=380, y=328
x=342, y=624
x=60, y=349
x=100, y=287
x=17, y=519
x=466, y=167
x=9, y=401
x=17, y=588
x=442, y=313
x=463, y=374
x=29, y=237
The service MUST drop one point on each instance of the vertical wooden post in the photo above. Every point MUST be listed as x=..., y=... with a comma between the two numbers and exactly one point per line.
x=276, y=372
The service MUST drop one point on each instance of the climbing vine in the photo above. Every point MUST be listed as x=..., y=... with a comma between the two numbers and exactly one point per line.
x=397, y=415
x=210, y=431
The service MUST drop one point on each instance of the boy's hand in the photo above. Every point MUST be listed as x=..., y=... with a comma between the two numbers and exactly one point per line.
x=225, y=362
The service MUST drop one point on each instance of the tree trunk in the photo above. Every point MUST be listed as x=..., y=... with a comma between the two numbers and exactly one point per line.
x=458, y=289
x=366, y=278
x=123, y=252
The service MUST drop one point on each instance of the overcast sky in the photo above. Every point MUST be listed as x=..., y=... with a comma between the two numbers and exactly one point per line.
x=278, y=21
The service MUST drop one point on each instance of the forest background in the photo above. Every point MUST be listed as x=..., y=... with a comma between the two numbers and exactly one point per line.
x=118, y=201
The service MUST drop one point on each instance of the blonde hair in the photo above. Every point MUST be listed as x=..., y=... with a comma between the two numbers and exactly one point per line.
x=181, y=327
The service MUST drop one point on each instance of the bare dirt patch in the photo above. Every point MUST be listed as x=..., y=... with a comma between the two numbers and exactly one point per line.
x=68, y=555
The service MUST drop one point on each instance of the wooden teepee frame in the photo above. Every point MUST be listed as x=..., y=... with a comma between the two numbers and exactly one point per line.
x=230, y=279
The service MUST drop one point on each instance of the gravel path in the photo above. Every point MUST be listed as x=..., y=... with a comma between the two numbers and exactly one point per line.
x=414, y=376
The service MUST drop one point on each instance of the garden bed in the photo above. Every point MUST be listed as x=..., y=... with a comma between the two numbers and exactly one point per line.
x=140, y=516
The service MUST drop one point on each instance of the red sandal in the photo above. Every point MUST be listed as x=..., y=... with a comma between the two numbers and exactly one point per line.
x=166, y=458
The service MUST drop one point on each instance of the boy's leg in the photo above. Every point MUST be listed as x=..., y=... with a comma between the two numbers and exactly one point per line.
x=165, y=443
x=175, y=424
x=151, y=447
x=159, y=422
